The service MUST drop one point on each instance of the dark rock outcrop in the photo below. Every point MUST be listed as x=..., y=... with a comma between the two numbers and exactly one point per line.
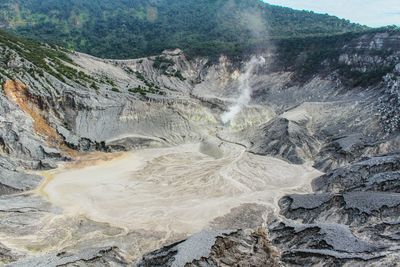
x=357, y=174
x=15, y=182
x=284, y=139
x=228, y=248
x=353, y=217
x=109, y=256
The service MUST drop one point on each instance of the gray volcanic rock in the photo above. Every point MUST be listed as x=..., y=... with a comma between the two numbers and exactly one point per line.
x=353, y=208
x=310, y=201
x=361, y=199
x=6, y=255
x=368, y=202
x=110, y=256
x=386, y=181
x=285, y=139
x=194, y=248
x=334, y=236
x=355, y=175
x=340, y=150
x=382, y=40
x=17, y=139
x=231, y=248
x=328, y=244
x=69, y=138
x=130, y=143
x=14, y=182
x=389, y=103
x=246, y=216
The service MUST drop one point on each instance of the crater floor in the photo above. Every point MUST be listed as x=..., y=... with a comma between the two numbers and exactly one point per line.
x=176, y=190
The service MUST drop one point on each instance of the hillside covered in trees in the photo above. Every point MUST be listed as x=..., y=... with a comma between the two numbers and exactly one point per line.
x=136, y=28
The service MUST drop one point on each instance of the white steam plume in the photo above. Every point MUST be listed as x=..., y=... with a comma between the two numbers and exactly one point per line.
x=244, y=89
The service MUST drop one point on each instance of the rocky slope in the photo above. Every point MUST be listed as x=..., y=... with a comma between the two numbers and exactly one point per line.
x=55, y=106
x=351, y=219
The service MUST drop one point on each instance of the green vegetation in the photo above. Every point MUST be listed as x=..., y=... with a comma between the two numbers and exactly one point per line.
x=356, y=78
x=144, y=90
x=140, y=76
x=94, y=86
x=179, y=75
x=136, y=28
x=33, y=51
x=106, y=79
x=44, y=58
x=162, y=63
x=148, y=88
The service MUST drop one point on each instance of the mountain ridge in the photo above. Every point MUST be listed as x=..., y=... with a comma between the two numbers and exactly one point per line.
x=137, y=28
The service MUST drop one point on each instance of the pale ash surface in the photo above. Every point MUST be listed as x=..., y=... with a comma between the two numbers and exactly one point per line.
x=174, y=190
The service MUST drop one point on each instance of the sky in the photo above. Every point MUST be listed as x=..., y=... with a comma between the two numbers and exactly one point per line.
x=373, y=13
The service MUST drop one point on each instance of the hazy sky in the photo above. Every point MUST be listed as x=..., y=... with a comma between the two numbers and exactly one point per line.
x=373, y=13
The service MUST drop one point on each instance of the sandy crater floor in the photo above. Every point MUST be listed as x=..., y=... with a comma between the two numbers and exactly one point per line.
x=176, y=190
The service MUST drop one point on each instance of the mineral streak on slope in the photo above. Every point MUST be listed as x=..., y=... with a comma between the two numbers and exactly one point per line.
x=177, y=190
x=17, y=92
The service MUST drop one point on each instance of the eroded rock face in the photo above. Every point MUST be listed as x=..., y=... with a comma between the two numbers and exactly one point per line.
x=357, y=175
x=353, y=217
x=109, y=256
x=349, y=148
x=229, y=248
x=12, y=182
x=285, y=139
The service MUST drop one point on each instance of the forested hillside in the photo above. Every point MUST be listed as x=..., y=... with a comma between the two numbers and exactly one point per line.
x=136, y=28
